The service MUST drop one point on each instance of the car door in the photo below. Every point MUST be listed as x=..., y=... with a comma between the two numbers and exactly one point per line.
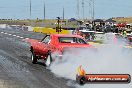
x=44, y=45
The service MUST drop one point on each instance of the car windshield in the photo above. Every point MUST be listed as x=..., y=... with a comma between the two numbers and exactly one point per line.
x=71, y=40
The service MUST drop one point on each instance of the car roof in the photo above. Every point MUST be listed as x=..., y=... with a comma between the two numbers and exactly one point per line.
x=87, y=31
x=66, y=35
x=99, y=32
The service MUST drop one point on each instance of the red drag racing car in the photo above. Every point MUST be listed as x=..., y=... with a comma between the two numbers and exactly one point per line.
x=54, y=43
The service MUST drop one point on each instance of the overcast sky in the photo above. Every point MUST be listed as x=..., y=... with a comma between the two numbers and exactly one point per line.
x=19, y=9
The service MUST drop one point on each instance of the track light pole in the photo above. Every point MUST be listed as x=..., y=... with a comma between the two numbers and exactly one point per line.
x=83, y=8
x=63, y=14
x=30, y=11
x=93, y=10
x=44, y=10
x=93, y=15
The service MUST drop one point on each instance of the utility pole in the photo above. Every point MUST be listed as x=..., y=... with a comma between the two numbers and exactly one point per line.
x=93, y=16
x=44, y=10
x=30, y=12
x=78, y=9
x=63, y=13
x=90, y=9
x=30, y=9
x=93, y=10
x=83, y=8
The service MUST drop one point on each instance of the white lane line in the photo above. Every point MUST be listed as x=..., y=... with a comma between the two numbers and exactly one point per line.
x=2, y=32
x=9, y=34
x=5, y=33
x=18, y=36
x=21, y=37
x=26, y=38
x=14, y=35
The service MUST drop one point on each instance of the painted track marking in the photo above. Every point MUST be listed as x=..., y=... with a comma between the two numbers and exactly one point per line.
x=26, y=38
x=21, y=37
x=9, y=34
x=14, y=35
x=18, y=36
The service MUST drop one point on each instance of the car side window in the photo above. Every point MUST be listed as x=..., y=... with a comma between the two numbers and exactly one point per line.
x=46, y=40
x=81, y=41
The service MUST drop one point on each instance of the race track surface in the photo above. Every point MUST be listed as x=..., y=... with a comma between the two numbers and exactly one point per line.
x=16, y=69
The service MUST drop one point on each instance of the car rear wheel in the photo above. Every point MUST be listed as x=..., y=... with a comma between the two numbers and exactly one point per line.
x=48, y=60
x=33, y=57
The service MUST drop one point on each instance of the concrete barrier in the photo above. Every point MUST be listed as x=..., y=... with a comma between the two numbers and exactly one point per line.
x=3, y=26
x=29, y=28
x=50, y=30
x=35, y=29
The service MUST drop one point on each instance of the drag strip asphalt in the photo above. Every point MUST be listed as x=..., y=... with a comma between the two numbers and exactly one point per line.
x=16, y=68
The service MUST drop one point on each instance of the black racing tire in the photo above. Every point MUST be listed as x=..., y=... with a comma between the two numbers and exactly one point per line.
x=48, y=60
x=33, y=57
